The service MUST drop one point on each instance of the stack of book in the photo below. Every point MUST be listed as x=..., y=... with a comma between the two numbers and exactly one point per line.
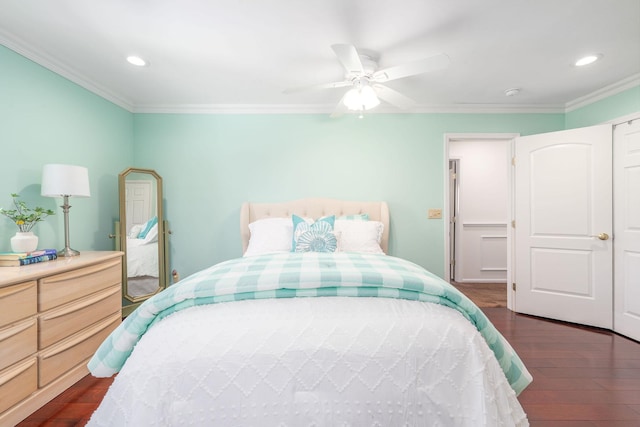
x=16, y=259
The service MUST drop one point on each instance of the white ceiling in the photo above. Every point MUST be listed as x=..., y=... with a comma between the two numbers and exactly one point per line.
x=239, y=55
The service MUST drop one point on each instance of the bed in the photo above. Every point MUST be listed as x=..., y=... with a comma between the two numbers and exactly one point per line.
x=353, y=337
x=142, y=261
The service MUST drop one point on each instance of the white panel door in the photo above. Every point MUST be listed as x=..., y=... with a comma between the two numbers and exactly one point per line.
x=626, y=207
x=138, y=202
x=563, y=201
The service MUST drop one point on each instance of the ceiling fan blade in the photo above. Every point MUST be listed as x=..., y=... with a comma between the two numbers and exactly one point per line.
x=340, y=109
x=393, y=97
x=432, y=63
x=349, y=58
x=331, y=85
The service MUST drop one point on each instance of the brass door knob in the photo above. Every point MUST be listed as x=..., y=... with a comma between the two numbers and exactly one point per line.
x=602, y=236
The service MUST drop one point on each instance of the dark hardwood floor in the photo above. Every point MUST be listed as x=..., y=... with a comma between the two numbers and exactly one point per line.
x=484, y=294
x=73, y=407
x=583, y=377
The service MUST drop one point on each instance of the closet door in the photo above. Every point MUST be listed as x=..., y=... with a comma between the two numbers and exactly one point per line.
x=626, y=184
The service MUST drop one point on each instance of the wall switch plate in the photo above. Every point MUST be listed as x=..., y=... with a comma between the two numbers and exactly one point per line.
x=435, y=213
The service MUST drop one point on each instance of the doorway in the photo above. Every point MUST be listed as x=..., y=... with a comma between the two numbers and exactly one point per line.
x=478, y=207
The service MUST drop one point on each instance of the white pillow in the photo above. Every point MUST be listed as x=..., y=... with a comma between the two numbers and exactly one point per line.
x=152, y=235
x=359, y=236
x=270, y=235
x=135, y=230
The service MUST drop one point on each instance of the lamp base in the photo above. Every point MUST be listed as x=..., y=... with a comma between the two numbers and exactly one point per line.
x=67, y=252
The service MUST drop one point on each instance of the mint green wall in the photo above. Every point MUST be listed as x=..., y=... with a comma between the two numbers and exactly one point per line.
x=45, y=118
x=615, y=106
x=211, y=164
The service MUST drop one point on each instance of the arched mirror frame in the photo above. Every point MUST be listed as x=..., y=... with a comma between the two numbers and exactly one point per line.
x=131, y=302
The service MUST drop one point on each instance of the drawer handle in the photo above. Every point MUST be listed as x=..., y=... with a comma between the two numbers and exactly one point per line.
x=79, y=306
x=16, y=372
x=12, y=290
x=67, y=346
x=15, y=330
x=92, y=269
x=86, y=334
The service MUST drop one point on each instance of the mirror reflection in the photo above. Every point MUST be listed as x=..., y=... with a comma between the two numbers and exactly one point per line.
x=141, y=235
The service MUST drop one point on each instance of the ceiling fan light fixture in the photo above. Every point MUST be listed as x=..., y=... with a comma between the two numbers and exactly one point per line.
x=361, y=98
x=363, y=78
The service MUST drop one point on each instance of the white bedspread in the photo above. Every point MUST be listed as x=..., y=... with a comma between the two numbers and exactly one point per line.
x=327, y=361
x=142, y=258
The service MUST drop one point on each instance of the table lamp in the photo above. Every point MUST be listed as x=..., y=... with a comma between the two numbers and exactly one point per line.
x=65, y=181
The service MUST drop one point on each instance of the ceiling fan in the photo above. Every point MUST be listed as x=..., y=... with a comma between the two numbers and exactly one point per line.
x=365, y=80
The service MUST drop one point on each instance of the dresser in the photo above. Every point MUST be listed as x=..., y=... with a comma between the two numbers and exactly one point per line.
x=53, y=317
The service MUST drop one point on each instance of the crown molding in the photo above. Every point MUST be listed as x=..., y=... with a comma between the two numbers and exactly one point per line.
x=30, y=52
x=491, y=109
x=605, y=92
x=328, y=109
x=627, y=118
x=233, y=109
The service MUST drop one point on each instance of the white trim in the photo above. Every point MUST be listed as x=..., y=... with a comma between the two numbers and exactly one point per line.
x=41, y=58
x=445, y=211
x=491, y=108
x=479, y=136
x=511, y=297
x=235, y=109
x=623, y=119
x=603, y=93
x=328, y=109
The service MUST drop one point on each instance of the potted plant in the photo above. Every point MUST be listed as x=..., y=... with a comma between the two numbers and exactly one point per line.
x=25, y=218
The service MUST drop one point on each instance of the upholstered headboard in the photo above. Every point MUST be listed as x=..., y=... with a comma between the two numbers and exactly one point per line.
x=313, y=208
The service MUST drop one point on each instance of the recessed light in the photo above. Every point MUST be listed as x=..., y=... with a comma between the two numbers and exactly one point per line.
x=136, y=60
x=589, y=59
x=512, y=92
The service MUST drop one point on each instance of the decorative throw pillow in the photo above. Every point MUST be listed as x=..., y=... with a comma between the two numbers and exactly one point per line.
x=153, y=221
x=152, y=235
x=314, y=237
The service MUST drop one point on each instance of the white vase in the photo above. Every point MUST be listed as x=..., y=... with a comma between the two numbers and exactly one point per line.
x=24, y=241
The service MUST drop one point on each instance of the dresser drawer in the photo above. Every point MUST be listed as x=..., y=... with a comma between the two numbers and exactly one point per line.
x=18, y=382
x=60, y=358
x=17, y=302
x=66, y=287
x=18, y=341
x=66, y=320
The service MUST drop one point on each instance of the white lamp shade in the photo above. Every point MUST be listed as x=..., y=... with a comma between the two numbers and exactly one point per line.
x=65, y=180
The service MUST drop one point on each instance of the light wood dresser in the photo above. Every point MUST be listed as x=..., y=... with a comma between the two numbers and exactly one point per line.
x=53, y=316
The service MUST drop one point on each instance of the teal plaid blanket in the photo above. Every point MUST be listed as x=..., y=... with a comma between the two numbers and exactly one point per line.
x=287, y=275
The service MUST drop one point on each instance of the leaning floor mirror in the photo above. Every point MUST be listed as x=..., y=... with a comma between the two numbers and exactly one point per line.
x=141, y=234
